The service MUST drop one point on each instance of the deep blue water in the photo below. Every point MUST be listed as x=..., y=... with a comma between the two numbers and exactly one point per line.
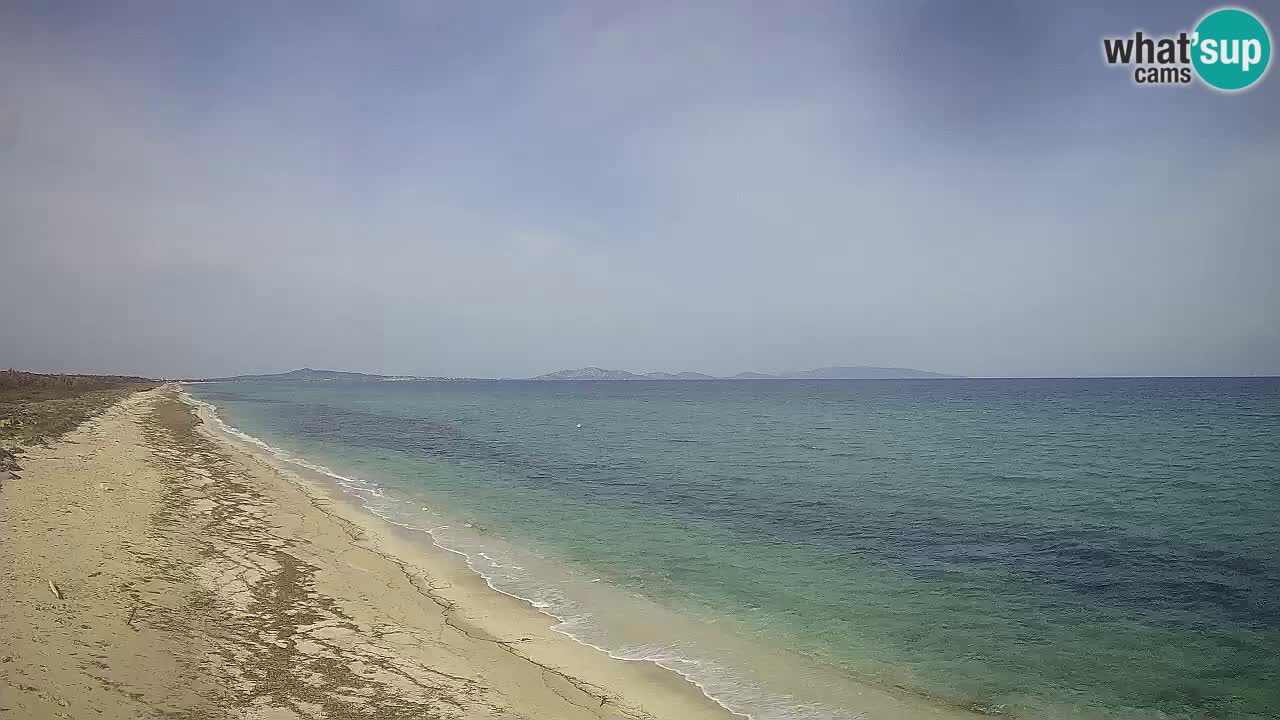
x=1036, y=548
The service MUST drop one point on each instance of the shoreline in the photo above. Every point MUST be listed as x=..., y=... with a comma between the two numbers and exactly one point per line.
x=404, y=547
x=406, y=543
x=194, y=579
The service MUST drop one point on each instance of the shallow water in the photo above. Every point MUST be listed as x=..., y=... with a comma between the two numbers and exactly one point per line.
x=1046, y=548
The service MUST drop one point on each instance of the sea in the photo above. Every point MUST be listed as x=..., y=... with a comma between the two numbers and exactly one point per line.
x=1048, y=548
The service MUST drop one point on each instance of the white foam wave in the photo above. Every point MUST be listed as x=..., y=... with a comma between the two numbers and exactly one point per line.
x=724, y=685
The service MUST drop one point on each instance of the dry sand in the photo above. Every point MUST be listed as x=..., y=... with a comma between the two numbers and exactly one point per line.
x=199, y=581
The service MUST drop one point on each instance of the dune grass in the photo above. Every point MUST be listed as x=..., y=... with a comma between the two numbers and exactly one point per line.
x=37, y=407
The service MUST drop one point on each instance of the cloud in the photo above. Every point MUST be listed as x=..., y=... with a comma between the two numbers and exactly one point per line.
x=643, y=187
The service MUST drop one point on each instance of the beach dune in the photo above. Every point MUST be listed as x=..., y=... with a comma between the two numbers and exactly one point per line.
x=152, y=568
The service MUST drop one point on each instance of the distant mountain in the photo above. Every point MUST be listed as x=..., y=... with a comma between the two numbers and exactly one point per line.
x=827, y=373
x=591, y=373
x=598, y=373
x=309, y=375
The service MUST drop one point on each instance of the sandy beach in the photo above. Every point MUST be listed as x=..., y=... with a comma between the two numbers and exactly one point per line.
x=151, y=568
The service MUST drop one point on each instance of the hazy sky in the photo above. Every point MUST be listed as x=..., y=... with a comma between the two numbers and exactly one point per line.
x=507, y=188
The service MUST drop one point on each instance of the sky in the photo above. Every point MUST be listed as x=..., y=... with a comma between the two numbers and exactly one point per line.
x=503, y=189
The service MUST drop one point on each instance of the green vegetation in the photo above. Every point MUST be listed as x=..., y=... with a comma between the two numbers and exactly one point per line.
x=35, y=408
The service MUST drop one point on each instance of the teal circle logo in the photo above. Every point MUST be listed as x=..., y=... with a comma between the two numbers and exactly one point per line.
x=1232, y=49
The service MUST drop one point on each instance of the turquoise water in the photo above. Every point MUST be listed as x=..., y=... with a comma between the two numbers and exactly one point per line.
x=1030, y=548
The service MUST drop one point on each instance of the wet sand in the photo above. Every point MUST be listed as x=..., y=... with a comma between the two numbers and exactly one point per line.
x=199, y=581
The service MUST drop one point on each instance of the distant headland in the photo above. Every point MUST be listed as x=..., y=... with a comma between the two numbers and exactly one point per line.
x=858, y=372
